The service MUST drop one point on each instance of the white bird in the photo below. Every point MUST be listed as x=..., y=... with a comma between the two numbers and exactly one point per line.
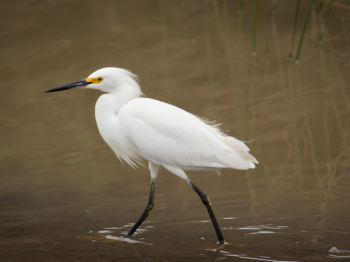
x=138, y=129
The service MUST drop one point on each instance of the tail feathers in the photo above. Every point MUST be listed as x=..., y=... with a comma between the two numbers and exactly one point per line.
x=248, y=157
x=243, y=151
x=236, y=144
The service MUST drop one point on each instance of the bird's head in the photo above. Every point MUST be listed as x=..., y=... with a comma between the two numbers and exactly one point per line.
x=106, y=79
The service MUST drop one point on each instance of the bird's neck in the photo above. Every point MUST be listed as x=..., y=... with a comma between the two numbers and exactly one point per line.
x=108, y=106
x=113, y=101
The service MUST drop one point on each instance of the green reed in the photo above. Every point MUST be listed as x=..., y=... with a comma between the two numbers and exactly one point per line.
x=273, y=6
x=254, y=28
x=240, y=6
x=303, y=30
x=324, y=20
x=290, y=56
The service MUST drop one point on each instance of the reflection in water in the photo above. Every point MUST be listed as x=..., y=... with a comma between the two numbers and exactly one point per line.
x=339, y=77
x=250, y=186
x=306, y=119
x=295, y=130
x=243, y=256
x=332, y=164
x=225, y=35
x=251, y=96
x=109, y=233
x=336, y=253
x=55, y=167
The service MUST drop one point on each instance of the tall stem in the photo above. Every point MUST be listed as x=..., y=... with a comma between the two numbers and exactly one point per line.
x=303, y=31
x=320, y=36
x=294, y=28
x=240, y=5
x=254, y=28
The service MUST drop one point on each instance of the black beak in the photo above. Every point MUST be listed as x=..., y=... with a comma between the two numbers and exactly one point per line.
x=69, y=86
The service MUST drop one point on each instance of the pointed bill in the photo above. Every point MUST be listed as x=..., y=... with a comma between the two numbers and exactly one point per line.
x=80, y=83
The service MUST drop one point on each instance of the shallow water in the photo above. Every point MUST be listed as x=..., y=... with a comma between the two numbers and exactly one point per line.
x=64, y=196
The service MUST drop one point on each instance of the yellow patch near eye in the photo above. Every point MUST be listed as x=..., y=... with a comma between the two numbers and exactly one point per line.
x=96, y=80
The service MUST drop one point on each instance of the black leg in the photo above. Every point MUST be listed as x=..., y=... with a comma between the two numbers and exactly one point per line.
x=147, y=211
x=206, y=201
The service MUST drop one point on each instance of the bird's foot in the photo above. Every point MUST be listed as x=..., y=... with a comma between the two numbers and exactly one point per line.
x=126, y=235
x=224, y=244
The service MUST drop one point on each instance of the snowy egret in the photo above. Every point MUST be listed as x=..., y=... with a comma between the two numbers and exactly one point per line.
x=138, y=128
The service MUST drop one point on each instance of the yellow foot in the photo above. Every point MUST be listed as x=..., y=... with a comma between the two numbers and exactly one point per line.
x=225, y=244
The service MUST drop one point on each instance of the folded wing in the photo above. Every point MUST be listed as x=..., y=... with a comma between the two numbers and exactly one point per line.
x=165, y=134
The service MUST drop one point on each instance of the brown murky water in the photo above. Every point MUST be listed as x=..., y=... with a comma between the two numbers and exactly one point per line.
x=64, y=196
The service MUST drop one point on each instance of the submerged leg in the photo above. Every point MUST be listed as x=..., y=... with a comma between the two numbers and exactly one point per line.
x=205, y=199
x=147, y=211
x=154, y=172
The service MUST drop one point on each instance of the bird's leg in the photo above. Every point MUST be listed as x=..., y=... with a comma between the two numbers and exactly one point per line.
x=148, y=208
x=206, y=201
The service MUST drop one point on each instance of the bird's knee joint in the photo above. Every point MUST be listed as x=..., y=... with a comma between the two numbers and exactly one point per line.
x=206, y=201
x=149, y=209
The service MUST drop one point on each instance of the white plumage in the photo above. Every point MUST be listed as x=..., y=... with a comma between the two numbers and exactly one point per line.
x=139, y=129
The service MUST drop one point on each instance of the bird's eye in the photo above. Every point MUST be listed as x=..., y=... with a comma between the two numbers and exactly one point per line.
x=99, y=79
